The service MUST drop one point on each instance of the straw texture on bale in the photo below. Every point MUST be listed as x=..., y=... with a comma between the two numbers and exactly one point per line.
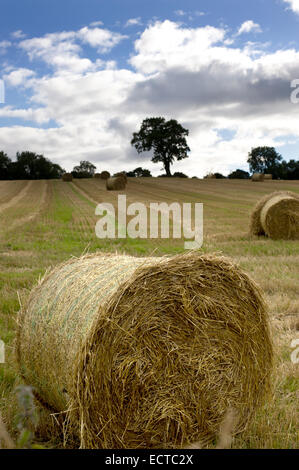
x=268, y=176
x=105, y=175
x=276, y=215
x=258, y=177
x=122, y=174
x=97, y=175
x=67, y=177
x=147, y=352
x=115, y=183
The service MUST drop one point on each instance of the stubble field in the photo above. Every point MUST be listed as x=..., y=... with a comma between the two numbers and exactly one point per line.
x=43, y=223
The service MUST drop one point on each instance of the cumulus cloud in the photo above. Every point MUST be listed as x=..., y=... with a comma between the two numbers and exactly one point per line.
x=18, y=77
x=189, y=74
x=61, y=50
x=249, y=27
x=102, y=39
x=293, y=5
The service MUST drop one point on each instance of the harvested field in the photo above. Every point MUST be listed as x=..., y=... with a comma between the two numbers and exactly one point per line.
x=64, y=227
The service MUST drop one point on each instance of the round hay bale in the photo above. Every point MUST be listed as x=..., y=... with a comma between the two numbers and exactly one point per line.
x=289, y=219
x=115, y=183
x=257, y=177
x=105, y=175
x=268, y=176
x=280, y=218
x=97, y=175
x=122, y=174
x=67, y=177
x=147, y=352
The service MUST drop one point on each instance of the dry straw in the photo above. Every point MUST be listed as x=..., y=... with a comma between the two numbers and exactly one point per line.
x=147, y=352
x=115, y=183
x=277, y=216
x=123, y=175
x=258, y=177
x=105, y=175
x=67, y=177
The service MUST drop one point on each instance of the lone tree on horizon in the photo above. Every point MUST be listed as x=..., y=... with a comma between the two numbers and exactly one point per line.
x=166, y=138
x=263, y=159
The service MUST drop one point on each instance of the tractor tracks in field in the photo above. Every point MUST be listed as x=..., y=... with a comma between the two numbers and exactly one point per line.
x=32, y=215
x=15, y=199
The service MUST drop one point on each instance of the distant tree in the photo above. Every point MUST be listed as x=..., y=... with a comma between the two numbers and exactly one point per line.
x=84, y=170
x=167, y=139
x=139, y=172
x=219, y=176
x=287, y=170
x=214, y=176
x=264, y=160
x=5, y=163
x=178, y=174
x=30, y=165
x=239, y=174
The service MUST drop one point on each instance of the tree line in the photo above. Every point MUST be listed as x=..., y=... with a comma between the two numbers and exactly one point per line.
x=166, y=140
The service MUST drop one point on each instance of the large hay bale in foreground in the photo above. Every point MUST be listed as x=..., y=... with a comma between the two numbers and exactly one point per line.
x=105, y=175
x=258, y=177
x=146, y=352
x=277, y=216
x=67, y=177
x=114, y=184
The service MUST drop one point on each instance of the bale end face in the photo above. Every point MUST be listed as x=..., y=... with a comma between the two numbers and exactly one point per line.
x=105, y=175
x=147, y=352
x=67, y=177
x=276, y=216
x=258, y=177
x=115, y=184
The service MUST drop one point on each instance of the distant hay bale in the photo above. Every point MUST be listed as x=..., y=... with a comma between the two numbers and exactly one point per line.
x=115, y=183
x=147, y=352
x=210, y=176
x=276, y=215
x=257, y=177
x=67, y=177
x=268, y=176
x=97, y=175
x=122, y=174
x=105, y=175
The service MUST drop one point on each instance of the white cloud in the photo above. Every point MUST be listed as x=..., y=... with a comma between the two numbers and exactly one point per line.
x=102, y=39
x=180, y=13
x=249, y=27
x=18, y=77
x=62, y=52
x=4, y=45
x=189, y=74
x=96, y=23
x=166, y=44
x=133, y=22
x=18, y=34
x=293, y=5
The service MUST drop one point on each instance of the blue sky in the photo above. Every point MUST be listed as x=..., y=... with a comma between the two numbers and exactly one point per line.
x=80, y=76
